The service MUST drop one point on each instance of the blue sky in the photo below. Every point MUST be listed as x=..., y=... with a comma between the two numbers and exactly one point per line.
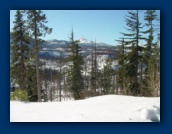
x=102, y=25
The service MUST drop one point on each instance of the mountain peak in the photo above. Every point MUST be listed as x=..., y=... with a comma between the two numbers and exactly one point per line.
x=82, y=39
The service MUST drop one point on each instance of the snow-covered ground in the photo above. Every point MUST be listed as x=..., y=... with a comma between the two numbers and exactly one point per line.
x=108, y=108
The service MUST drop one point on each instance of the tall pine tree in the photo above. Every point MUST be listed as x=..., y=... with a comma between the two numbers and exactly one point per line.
x=76, y=79
x=132, y=44
x=151, y=54
x=20, y=51
x=37, y=28
x=150, y=16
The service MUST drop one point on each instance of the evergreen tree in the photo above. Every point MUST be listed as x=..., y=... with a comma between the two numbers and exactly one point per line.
x=121, y=63
x=132, y=44
x=107, y=73
x=158, y=26
x=20, y=51
x=37, y=28
x=31, y=83
x=151, y=55
x=76, y=79
x=152, y=76
x=150, y=16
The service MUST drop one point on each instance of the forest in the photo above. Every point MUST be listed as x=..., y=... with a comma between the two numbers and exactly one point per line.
x=76, y=76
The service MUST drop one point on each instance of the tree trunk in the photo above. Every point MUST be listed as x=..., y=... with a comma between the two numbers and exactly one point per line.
x=37, y=62
x=136, y=90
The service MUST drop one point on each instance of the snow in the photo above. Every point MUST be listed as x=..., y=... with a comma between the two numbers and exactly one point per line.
x=108, y=108
x=101, y=62
x=83, y=40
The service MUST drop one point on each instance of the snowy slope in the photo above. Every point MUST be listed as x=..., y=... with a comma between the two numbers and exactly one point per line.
x=109, y=108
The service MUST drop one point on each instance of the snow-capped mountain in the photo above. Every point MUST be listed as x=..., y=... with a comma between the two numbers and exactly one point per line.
x=84, y=40
x=84, y=43
x=52, y=48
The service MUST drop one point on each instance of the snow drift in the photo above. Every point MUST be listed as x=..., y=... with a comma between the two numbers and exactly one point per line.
x=108, y=108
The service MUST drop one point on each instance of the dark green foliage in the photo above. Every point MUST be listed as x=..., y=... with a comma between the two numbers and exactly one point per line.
x=152, y=74
x=31, y=84
x=150, y=16
x=138, y=71
x=20, y=51
x=75, y=78
x=22, y=69
x=151, y=56
x=106, y=79
x=37, y=28
x=132, y=57
x=36, y=23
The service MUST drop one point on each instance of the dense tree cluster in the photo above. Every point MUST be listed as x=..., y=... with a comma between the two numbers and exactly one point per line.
x=139, y=71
